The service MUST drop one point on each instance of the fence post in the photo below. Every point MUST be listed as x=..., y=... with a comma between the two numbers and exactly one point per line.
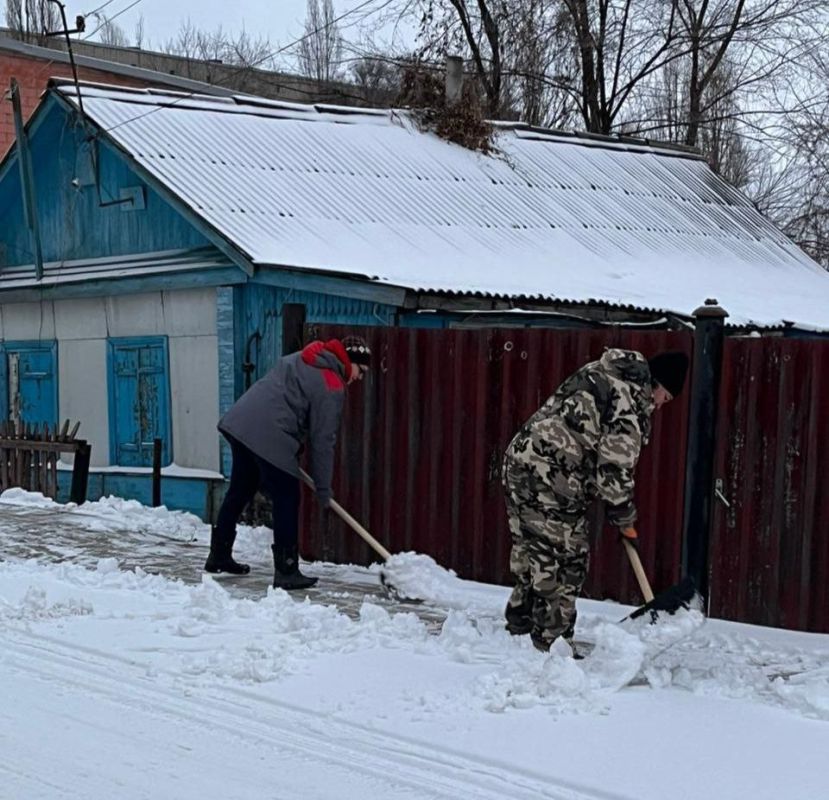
x=80, y=473
x=709, y=332
x=293, y=325
x=156, y=473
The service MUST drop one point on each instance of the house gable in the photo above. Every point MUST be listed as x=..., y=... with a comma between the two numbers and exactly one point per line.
x=81, y=191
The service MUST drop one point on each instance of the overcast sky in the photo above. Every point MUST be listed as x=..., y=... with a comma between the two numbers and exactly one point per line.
x=280, y=21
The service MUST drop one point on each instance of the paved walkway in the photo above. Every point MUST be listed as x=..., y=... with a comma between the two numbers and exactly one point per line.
x=60, y=535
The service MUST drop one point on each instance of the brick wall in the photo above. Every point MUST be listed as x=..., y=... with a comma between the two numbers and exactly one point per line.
x=32, y=75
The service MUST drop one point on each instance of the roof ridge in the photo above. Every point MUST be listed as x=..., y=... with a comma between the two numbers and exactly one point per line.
x=523, y=130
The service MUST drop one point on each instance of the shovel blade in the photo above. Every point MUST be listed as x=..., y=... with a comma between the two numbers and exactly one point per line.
x=671, y=600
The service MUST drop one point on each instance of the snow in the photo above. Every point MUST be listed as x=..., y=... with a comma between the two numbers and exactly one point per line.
x=180, y=685
x=170, y=471
x=112, y=513
x=369, y=195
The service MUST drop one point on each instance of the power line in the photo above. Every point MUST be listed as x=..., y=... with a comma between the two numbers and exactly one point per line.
x=254, y=64
x=107, y=21
x=100, y=8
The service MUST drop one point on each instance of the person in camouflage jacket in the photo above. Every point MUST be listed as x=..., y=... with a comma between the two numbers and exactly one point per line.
x=582, y=444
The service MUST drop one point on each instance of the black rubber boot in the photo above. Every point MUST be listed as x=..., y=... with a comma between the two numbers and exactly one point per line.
x=220, y=558
x=286, y=570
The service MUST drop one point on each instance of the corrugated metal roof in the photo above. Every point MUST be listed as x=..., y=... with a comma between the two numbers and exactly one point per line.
x=365, y=193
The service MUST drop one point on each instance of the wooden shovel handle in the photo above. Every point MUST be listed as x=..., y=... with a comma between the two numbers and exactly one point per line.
x=351, y=522
x=638, y=571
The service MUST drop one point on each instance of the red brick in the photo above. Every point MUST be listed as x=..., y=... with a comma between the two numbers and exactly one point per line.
x=32, y=75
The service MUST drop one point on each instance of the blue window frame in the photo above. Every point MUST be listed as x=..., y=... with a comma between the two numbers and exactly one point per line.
x=139, y=400
x=29, y=378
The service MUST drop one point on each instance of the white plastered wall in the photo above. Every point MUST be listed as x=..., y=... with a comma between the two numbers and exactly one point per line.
x=81, y=327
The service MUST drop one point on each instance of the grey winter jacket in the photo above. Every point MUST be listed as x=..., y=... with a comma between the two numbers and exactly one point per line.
x=296, y=403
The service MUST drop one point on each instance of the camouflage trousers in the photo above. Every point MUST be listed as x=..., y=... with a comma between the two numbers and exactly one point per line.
x=549, y=561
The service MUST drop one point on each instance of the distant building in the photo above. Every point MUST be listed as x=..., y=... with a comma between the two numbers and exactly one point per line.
x=32, y=65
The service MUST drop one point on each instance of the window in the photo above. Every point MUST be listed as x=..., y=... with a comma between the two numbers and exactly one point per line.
x=30, y=385
x=139, y=400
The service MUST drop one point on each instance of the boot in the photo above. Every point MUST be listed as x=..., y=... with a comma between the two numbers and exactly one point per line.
x=286, y=569
x=220, y=558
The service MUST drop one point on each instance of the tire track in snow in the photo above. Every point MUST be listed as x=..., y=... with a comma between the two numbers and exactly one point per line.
x=383, y=756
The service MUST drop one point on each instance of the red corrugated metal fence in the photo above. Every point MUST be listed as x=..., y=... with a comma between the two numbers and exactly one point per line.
x=770, y=549
x=422, y=439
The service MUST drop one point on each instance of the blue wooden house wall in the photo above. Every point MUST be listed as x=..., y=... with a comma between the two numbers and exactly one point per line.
x=73, y=226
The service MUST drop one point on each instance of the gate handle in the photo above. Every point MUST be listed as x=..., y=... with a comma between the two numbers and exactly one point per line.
x=718, y=487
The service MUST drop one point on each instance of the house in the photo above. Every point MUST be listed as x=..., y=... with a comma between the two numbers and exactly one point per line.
x=175, y=228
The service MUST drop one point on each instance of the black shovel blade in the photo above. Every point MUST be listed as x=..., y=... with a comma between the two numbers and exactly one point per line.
x=671, y=600
x=396, y=593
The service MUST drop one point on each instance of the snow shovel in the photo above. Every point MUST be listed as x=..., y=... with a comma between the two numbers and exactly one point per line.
x=367, y=537
x=671, y=600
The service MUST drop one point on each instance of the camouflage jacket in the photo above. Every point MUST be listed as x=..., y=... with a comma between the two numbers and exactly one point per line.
x=584, y=442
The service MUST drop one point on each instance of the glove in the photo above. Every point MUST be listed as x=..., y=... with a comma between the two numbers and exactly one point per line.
x=622, y=516
x=324, y=497
x=629, y=533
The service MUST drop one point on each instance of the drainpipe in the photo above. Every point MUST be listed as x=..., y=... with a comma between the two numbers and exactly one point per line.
x=709, y=333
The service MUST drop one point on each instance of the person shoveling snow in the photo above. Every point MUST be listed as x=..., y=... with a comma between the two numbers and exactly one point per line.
x=299, y=401
x=582, y=444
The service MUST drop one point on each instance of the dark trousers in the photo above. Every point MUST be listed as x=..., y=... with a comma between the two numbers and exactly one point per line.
x=249, y=474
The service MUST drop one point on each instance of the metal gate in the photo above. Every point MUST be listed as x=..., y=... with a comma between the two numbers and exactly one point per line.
x=769, y=556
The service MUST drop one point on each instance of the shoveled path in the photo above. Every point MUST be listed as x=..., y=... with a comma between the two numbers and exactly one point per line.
x=60, y=534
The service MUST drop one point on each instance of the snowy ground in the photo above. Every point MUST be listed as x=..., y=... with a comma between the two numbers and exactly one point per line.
x=124, y=673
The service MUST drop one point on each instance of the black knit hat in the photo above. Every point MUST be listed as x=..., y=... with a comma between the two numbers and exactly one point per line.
x=358, y=351
x=669, y=370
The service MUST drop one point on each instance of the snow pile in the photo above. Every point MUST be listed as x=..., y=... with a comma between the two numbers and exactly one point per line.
x=20, y=497
x=34, y=606
x=114, y=513
x=619, y=657
x=806, y=692
x=418, y=576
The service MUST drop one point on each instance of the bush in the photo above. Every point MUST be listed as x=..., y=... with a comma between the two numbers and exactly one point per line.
x=423, y=91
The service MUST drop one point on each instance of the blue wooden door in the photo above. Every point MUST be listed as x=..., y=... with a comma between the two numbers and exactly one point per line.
x=139, y=400
x=31, y=377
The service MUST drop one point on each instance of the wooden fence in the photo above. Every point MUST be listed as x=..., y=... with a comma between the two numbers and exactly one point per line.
x=29, y=458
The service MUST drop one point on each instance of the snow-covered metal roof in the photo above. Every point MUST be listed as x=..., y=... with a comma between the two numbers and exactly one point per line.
x=365, y=193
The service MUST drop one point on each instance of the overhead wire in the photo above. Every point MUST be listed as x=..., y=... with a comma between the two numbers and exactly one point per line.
x=100, y=8
x=108, y=20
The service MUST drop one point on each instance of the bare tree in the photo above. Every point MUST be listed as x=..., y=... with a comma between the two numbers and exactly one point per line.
x=138, y=33
x=621, y=44
x=110, y=32
x=321, y=47
x=540, y=64
x=203, y=48
x=30, y=19
x=377, y=78
x=798, y=198
x=762, y=39
x=450, y=26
